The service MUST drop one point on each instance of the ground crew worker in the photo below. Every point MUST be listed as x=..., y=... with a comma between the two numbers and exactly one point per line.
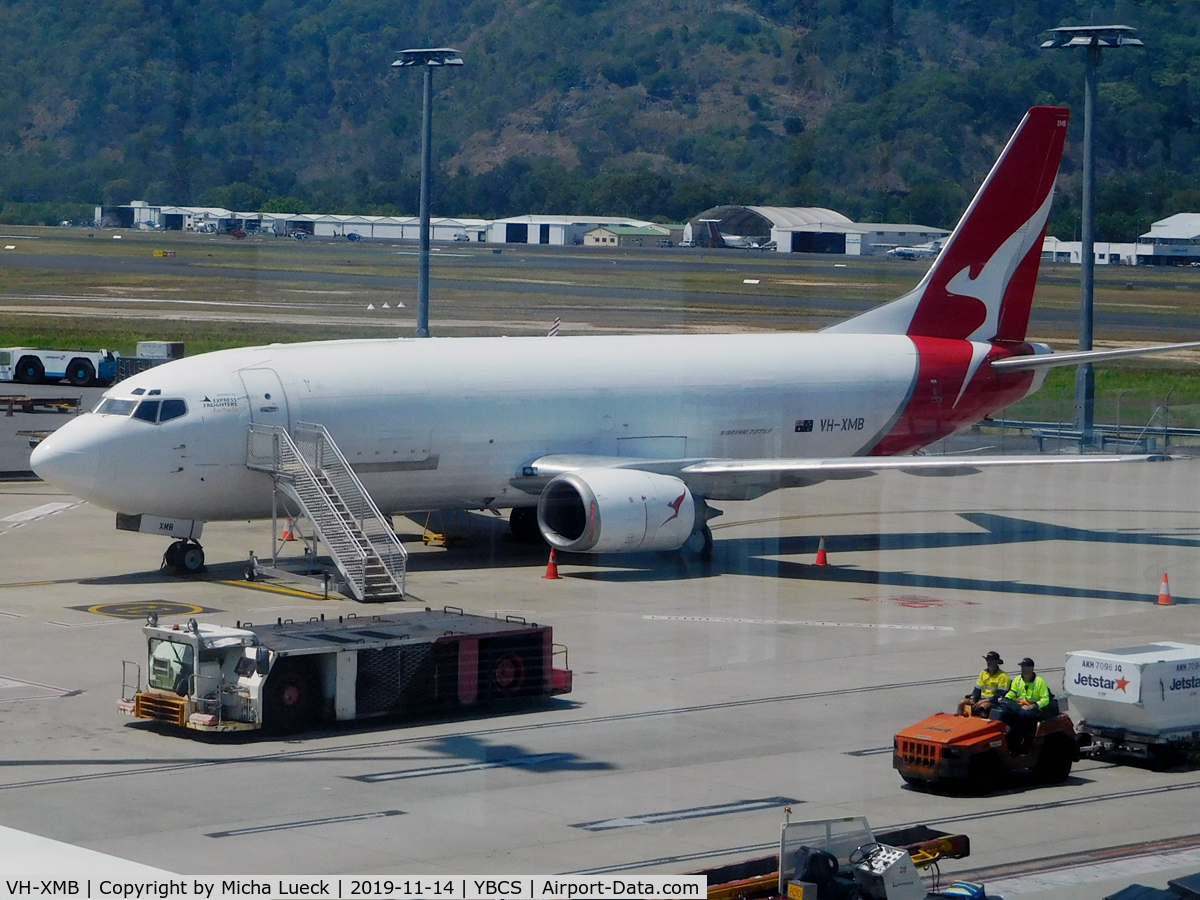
x=992, y=684
x=1025, y=703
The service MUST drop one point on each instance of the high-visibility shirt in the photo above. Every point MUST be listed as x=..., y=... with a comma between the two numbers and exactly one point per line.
x=992, y=686
x=1036, y=691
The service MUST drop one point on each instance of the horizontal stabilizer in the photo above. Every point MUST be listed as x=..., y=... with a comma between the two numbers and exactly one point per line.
x=1050, y=360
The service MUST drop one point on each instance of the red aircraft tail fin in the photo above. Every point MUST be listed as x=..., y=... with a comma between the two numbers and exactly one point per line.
x=980, y=287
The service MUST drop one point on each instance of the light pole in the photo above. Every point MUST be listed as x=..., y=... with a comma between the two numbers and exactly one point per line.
x=429, y=58
x=1092, y=38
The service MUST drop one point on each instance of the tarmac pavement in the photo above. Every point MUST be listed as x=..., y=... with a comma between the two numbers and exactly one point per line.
x=706, y=695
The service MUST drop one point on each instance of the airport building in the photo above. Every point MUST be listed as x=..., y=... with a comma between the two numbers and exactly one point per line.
x=633, y=236
x=1106, y=253
x=802, y=229
x=1173, y=241
x=553, y=230
x=784, y=229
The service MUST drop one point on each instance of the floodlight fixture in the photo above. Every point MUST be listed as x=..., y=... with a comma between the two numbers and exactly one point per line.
x=430, y=58
x=1093, y=38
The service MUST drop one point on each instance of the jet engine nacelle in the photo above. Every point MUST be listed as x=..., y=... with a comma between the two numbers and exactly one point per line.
x=616, y=511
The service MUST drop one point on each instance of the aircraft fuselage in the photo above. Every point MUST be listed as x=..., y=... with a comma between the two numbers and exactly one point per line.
x=441, y=423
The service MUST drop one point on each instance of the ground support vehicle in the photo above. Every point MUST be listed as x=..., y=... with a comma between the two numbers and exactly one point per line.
x=30, y=365
x=974, y=754
x=1138, y=703
x=842, y=859
x=289, y=676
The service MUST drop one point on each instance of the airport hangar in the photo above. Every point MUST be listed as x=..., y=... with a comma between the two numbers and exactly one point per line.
x=811, y=229
x=527, y=229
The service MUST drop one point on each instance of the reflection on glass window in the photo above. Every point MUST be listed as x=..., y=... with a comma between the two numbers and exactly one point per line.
x=113, y=407
x=171, y=665
x=172, y=409
x=147, y=411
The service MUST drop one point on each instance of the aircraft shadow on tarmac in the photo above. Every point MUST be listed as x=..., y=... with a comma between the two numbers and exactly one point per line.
x=486, y=543
x=754, y=556
x=490, y=712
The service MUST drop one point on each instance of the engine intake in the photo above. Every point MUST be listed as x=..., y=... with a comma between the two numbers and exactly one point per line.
x=616, y=511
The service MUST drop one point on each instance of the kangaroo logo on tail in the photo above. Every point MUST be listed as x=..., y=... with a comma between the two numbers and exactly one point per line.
x=981, y=286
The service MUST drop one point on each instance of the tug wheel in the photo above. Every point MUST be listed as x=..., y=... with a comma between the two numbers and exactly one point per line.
x=508, y=676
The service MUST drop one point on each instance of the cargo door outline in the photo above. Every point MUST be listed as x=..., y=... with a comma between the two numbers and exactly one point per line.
x=268, y=401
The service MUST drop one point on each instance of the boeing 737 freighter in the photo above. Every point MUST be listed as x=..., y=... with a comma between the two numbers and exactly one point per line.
x=601, y=444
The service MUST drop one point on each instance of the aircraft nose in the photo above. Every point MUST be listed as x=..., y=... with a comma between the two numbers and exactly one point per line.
x=66, y=464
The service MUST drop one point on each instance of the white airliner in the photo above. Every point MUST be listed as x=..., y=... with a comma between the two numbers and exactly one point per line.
x=602, y=444
x=920, y=251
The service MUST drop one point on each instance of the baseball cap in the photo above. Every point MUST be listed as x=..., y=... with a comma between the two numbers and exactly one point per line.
x=1027, y=662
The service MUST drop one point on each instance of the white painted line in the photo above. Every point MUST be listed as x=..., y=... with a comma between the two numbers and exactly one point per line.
x=522, y=762
x=1023, y=885
x=750, y=281
x=39, y=512
x=697, y=812
x=731, y=620
x=10, y=684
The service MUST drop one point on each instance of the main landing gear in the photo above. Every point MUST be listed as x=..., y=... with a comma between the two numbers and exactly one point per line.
x=184, y=557
x=699, y=544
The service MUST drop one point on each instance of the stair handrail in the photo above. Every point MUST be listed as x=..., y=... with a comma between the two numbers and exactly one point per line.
x=283, y=457
x=328, y=458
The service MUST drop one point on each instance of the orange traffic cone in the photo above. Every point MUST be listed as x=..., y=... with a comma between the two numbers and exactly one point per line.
x=1164, y=593
x=822, y=560
x=288, y=534
x=552, y=567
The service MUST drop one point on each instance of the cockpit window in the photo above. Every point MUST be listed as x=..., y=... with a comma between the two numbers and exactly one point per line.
x=147, y=411
x=160, y=410
x=110, y=406
x=154, y=391
x=137, y=391
x=172, y=409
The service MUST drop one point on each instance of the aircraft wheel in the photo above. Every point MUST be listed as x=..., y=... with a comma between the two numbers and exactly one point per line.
x=174, y=551
x=523, y=524
x=699, y=543
x=191, y=558
x=30, y=370
x=81, y=372
x=289, y=704
x=1055, y=760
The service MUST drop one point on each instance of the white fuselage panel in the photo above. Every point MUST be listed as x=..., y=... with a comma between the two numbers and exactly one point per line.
x=448, y=423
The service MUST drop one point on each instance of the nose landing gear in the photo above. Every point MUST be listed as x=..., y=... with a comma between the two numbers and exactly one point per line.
x=184, y=557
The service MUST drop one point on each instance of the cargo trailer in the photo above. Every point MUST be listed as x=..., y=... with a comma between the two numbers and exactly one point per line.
x=289, y=676
x=1141, y=702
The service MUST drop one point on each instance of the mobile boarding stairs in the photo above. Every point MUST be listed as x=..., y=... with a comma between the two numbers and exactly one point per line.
x=314, y=477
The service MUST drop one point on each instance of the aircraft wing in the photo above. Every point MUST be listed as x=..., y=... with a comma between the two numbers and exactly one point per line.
x=1048, y=360
x=745, y=479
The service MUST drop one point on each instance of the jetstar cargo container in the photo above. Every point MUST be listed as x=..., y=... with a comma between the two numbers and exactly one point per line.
x=290, y=676
x=1139, y=701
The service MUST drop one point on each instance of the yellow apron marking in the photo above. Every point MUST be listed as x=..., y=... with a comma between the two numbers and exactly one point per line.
x=273, y=589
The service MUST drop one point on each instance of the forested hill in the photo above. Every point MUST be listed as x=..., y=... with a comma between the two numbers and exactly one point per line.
x=887, y=111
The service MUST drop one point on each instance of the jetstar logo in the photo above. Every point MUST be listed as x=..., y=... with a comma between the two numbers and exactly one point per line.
x=1105, y=684
x=674, y=504
x=1185, y=684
